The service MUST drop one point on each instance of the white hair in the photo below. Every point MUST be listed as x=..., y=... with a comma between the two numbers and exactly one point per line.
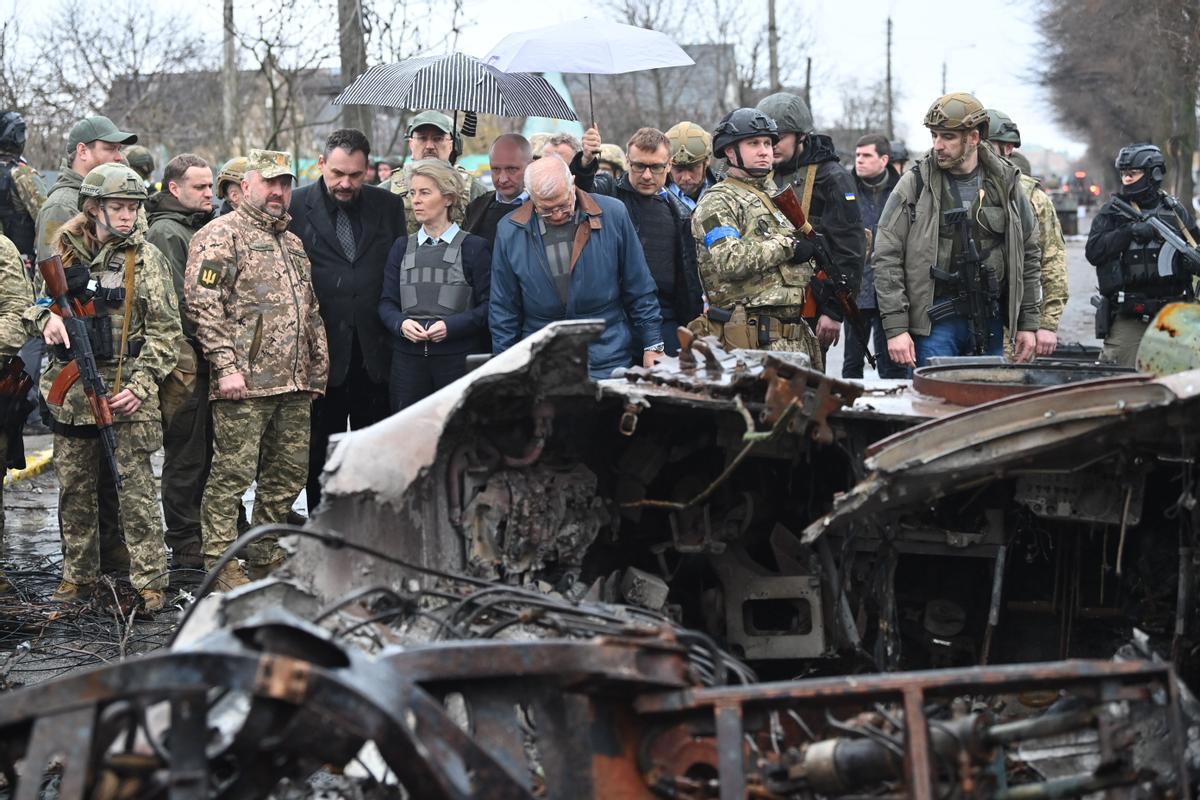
x=548, y=176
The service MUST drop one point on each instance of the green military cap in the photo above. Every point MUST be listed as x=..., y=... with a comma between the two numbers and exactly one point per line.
x=102, y=129
x=270, y=163
x=435, y=118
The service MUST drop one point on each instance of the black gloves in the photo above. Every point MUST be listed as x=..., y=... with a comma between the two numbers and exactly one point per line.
x=802, y=250
x=1142, y=231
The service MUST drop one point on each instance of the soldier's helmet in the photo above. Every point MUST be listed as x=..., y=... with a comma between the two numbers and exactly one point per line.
x=790, y=112
x=233, y=172
x=1143, y=156
x=12, y=132
x=742, y=123
x=957, y=111
x=611, y=154
x=690, y=144
x=141, y=160
x=1001, y=128
x=113, y=181
x=899, y=152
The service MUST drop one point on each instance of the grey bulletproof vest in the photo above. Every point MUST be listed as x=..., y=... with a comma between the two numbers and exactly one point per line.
x=432, y=281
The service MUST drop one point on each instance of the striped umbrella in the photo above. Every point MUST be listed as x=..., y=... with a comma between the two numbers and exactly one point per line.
x=458, y=82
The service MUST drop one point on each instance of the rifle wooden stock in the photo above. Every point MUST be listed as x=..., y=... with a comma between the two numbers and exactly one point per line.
x=788, y=203
x=81, y=360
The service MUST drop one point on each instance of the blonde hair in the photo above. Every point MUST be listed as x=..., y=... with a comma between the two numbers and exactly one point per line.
x=449, y=182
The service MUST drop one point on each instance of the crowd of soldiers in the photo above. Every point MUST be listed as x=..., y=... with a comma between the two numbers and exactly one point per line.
x=240, y=340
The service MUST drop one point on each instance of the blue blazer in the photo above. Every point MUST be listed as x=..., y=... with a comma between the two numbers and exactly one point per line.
x=609, y=281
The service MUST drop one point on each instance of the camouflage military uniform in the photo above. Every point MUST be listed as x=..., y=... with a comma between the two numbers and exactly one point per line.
x=398, y=184
x=28, y=185
x=15, y=293
x=744, y=250
x=249, y=289
x=1054, y=254
x=153, y=334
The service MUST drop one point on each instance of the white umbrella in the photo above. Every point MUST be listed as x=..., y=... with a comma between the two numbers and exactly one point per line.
x=592, y=46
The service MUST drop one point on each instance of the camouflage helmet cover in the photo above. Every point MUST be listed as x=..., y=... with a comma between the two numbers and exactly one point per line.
x=957, y=111
x=112, y=181
x=611, y=154
x=1001, y=128
x=690, y=144
x=233, y=172
x=141, y=160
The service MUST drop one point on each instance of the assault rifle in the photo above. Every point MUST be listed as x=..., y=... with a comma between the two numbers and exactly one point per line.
x=81, y=360
x=977, y=285
x=828, y=272
x=1175, y=243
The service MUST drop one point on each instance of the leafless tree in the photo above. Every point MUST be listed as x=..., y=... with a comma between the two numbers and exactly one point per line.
x=1125, y=72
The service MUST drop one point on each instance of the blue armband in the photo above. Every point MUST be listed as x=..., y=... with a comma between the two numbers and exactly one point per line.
x=719, y=233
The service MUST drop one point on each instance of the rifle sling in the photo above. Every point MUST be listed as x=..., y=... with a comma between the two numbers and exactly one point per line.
x=810, y=172
x=761, y=195
x=129, y=269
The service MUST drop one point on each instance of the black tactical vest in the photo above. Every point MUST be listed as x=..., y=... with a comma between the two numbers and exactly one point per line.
x=432, y=282
x=18, y=225
x=1146, y=266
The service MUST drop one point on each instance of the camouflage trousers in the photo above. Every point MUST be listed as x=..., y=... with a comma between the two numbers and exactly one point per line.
x=75, y=462
x=260, y=437
x=806, y=343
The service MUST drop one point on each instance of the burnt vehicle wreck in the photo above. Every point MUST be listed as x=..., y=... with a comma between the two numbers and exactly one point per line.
x=717, y=577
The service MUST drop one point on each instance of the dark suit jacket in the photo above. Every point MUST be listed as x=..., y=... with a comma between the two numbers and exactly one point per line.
x=349, y=292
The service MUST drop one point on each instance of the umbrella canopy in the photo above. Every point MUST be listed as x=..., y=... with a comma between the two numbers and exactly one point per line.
x=597, y=47
x=458, y=82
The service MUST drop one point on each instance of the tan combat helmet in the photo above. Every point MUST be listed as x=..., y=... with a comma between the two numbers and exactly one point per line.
x=611, y=154
x=233, y=172
x=957, y=111
x=690, y=144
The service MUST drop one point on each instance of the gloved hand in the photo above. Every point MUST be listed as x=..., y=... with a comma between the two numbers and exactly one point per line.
x=802, y=250
x=1142, y=231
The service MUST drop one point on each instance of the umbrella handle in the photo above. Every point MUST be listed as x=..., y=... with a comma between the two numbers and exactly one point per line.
x=591, y=110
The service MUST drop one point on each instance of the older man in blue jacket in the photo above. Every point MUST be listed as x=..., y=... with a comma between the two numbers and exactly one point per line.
x=566, y=254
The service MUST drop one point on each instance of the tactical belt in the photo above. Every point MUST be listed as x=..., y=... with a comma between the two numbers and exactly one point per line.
x=954, y=306
x=770, y=329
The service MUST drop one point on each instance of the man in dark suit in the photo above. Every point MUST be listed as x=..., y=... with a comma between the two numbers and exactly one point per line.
x=347, y=229
x=509, y=157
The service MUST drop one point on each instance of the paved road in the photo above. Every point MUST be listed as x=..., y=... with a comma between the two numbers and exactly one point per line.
x=1078, y=322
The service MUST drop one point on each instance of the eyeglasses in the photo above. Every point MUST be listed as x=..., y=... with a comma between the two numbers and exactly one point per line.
x=566, y=208
x=637, y=168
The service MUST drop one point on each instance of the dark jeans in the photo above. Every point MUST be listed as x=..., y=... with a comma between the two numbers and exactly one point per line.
x=952, y=337
x=856, y=352
x=415, y=377
x=357, y=403
x=670, y=336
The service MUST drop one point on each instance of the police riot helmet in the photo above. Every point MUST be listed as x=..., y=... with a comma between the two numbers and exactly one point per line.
x=739, y=124
x=12, y=133
x=1001, y=128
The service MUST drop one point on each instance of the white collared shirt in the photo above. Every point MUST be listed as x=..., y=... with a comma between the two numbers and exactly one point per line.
x=447, y=235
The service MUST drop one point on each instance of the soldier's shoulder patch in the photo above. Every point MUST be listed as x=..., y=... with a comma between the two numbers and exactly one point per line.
x=209, y=274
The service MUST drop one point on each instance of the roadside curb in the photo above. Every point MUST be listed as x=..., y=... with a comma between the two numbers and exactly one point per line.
x=34, y=465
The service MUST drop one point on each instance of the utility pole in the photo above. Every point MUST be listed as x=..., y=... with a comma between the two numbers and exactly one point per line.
x=891, y=132
x=773, y=47
x=808, y=82
x=352, y=44
x=943, y=76
x=229, y=130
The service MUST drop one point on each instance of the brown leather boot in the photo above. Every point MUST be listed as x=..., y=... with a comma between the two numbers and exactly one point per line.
x=231, y=575
x=68, y=592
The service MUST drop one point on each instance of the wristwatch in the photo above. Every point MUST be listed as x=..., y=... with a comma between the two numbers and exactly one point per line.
x=657, y=348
